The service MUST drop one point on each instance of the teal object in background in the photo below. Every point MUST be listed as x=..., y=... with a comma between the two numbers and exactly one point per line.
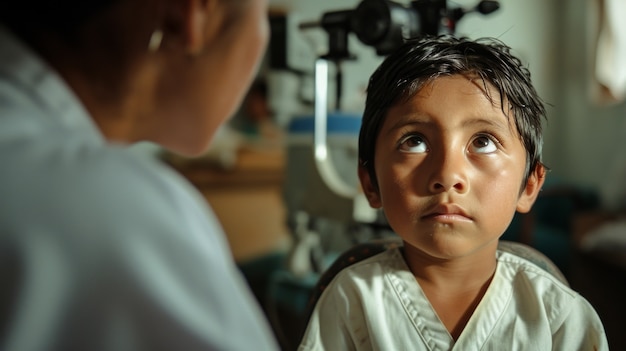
x=548, y=227
x=337, y=123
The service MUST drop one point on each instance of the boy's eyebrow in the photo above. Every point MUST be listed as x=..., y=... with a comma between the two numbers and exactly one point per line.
x=417, y=119
x=502, y=126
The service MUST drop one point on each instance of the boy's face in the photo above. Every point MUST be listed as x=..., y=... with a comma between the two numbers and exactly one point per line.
x=449, y=168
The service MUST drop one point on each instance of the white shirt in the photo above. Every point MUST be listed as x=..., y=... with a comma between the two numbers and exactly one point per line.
x=377, y=304
x=101, y=249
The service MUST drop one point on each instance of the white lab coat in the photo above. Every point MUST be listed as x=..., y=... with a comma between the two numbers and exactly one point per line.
x=101, y=249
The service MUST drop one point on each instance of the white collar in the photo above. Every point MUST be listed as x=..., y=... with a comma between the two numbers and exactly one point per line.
x=43, y=86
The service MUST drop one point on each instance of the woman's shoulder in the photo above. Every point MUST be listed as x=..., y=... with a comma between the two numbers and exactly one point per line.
x=104, y=188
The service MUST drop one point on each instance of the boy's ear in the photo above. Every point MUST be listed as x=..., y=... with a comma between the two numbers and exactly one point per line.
x=370, y=191
x=531, y=190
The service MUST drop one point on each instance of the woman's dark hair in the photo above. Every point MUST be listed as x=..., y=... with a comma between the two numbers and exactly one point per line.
x=62, y=17
x=418, y=61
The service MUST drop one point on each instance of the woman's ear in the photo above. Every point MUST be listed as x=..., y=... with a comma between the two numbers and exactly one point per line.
x=368, y=187
x=194, y=22
x=533, y=186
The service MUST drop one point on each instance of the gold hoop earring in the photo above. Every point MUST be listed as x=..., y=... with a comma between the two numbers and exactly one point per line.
x=155, y=40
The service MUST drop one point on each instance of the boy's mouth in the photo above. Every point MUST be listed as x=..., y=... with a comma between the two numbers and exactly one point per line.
x=447, y=212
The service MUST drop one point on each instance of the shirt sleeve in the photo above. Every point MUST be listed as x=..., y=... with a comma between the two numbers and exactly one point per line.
x=327, y=329
x=581, y=329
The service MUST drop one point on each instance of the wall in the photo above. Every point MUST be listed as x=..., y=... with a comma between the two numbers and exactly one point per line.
x=593, y=137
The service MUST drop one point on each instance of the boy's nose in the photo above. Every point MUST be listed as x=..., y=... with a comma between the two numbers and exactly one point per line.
x=448, y=173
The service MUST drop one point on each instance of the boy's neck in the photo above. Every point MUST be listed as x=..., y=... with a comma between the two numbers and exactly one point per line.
x=453, y=287
x=459, y=274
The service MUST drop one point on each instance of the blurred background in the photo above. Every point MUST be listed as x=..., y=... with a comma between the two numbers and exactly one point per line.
x=288, y=214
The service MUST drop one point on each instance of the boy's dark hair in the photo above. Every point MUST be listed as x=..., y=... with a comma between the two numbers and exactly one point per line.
x=418, y=61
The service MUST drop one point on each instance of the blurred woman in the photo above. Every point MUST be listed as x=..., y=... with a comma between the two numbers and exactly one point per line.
x=101, y=249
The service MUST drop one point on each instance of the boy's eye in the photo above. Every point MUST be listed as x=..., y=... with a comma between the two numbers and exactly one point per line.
x=413, y=144
x=484, y=145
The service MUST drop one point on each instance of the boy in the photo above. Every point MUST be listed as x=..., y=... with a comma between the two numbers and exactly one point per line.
x=450, y=149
